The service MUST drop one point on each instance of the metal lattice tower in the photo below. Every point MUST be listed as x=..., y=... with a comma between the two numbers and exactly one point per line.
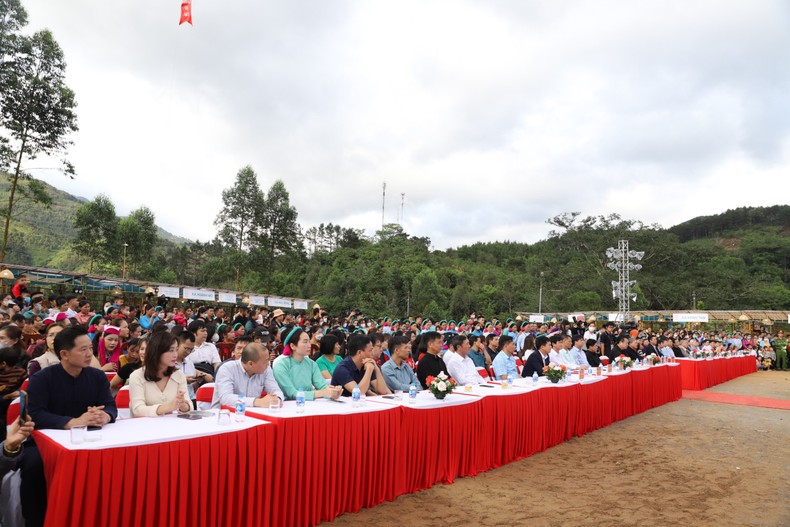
x=620, y=261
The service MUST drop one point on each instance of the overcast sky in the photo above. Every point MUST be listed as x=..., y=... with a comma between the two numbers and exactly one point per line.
x=491, y=116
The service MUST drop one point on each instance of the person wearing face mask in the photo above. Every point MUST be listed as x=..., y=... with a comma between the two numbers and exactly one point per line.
x=148, y=318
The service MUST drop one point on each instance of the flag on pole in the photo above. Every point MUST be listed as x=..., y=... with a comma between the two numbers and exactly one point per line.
x=186, y=12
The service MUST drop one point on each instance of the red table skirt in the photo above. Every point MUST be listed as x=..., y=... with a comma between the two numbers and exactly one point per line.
x=306, y=470
x=702, y=374
x=191, y=482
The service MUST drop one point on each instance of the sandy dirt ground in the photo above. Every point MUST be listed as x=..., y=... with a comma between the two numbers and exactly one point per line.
x=688, y=463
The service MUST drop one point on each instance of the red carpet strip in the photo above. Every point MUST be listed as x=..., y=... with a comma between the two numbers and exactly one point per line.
x=729, y=398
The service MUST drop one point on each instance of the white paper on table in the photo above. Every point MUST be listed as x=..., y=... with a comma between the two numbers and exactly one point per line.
x=151, y=430
x=321, y=406
x=426, y=400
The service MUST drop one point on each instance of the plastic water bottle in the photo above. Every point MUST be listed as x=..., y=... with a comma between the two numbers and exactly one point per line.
x=241, y=408
x=300, y=401
x=510, y=379
x=355, y=396
x=589, y=371
x=534, y=377
x=412, y=394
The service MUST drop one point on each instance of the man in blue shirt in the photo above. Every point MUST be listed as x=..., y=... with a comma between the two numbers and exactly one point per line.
x=504, y=364
x=577, y=353
x=62, y=396
x=397, y=373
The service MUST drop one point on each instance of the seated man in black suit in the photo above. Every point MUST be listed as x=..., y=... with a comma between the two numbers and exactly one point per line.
x=537, y=359
x=593, y=356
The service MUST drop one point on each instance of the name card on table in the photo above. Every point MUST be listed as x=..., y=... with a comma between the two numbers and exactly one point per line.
x=199, y=294
x=256, y=300
x=274, y=301
x=300, y=304
x=169, y=292
x=228, y=298
x=689, y=317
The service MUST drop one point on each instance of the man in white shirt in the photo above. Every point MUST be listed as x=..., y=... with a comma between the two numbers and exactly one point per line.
x=555, y=355
x=460, y=366
x=250, y=376
x=205, y=353
x=195, y=378
x=452, y=349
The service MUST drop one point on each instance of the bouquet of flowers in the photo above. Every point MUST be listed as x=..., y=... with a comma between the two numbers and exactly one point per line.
x=554, y=372
x=441, y=385
x=652, y=359
x=623, y=361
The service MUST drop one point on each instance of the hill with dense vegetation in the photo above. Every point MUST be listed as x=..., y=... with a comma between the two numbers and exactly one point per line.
x=735, y=260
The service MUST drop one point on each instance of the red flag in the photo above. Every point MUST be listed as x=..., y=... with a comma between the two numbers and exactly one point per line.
x=186, y=12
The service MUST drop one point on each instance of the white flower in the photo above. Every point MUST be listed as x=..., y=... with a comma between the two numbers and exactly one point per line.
x=442, y=376
x=442, y=386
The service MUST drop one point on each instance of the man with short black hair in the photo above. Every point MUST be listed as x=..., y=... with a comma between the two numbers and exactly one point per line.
x=430, y=365
x=459, y=366
x=62, y=396
x=577, y=353
x=492, y=345
x=359, y=369
x=607, y=341
x=591, y=352
x=205, y=356
x=396, y=372
x=536, y=361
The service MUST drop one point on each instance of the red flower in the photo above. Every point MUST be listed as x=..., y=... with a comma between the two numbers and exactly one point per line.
x=429, y=379
x=621, y=355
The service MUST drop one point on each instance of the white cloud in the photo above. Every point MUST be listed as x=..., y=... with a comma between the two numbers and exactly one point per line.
x=490, y=117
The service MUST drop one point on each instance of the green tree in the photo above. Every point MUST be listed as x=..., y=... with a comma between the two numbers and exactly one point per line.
x=242, y=206
x=96, y=229
x=36, y=113
x=280, y=233
x=138, y=232
x=13, y=17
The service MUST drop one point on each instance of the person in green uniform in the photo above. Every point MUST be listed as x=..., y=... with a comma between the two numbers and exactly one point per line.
x=298, y=371
x=780, y=347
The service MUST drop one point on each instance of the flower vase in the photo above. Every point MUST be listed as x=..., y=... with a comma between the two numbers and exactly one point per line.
x=555, y=380
x=440, y=395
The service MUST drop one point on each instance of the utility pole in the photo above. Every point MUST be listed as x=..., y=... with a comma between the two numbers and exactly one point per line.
x=540, y=295
x=402, y=198
x=383, y=199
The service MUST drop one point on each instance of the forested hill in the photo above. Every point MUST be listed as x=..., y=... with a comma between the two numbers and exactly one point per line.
x=41, y=236
x=727, y=223
x=735, y=260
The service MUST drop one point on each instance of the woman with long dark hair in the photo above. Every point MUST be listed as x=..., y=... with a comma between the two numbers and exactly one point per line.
x=158, y=388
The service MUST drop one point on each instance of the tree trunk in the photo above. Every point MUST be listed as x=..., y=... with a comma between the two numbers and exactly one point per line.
x=14, y=183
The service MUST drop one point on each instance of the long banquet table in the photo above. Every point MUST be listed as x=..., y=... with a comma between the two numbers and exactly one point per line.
x=159, y=471
x=700, y=374
x=302, y=469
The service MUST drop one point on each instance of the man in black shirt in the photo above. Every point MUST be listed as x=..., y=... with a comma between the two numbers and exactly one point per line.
x=607, y=340
x=431, y=364
x=62, y=396
x=593, y=356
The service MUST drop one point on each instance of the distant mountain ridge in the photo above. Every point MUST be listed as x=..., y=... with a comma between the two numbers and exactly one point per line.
x=39, y=235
